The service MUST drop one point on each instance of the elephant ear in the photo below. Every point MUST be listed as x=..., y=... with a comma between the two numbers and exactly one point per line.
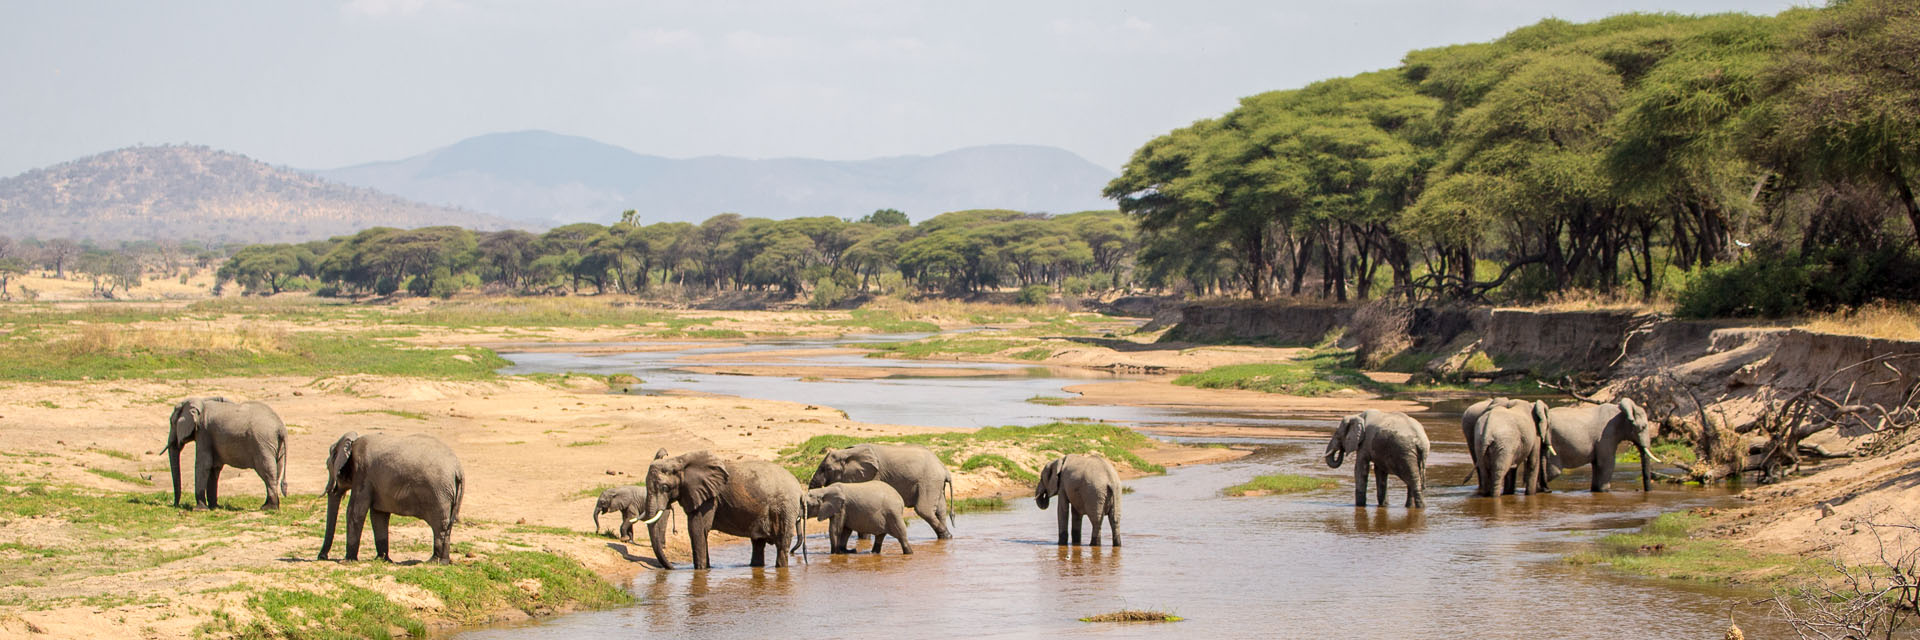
x=1355, y=429
x=1049, y=479
x=862, y=463
x=1634, y=414
x=339, y=463
x=702, y=478
x=662, y=453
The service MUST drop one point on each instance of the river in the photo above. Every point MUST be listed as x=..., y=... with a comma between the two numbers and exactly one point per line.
x=1297, y=566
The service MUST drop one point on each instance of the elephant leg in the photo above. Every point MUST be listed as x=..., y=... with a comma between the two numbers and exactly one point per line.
x=627, y=516
x=897, y=527
x=205, y=473
x=782, y=542
x=1113, y=527
x=759, y=553
x=1359, y=482
x=379, y=519
x=1506, y=482
x=272, y=478
x=1415, y=490
x=442, y=542
x=356, y=520
x=1093, y=527
x=1074, y=516
x=1062, y=514
x=931, y=509
x=1602, y=470
x=697, y=527
x=1380, y=484
x=213, y=484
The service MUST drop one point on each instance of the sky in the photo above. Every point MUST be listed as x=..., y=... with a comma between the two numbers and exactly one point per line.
x=323, y=84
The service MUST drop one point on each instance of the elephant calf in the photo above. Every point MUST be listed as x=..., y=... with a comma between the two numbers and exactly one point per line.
x=1382, y=442
x=913, y=471
x=227, y=434
x=628, y=501
x=1089, y=486
x=416, y=476
x=859, y=509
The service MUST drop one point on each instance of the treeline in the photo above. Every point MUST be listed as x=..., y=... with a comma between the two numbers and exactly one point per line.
x=112, y=269
x=831, y=258
x=1742, y=164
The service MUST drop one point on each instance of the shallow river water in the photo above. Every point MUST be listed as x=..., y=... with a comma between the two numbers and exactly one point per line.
x=1298, y=566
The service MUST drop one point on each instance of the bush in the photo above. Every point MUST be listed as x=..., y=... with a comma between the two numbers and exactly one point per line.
x=1033, y=294
x=826, y=293
x=1777, y=284
x=1076, y=285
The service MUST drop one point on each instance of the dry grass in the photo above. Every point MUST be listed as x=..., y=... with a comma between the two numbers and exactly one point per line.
x=1133, y=615
x=108, y=340
x=1591, y=300
x=1892, y=320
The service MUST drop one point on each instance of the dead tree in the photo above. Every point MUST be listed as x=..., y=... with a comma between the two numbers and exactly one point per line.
x=1770, y=445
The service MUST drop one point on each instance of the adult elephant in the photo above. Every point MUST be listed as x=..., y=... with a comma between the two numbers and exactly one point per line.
x=628, y=500
x=913, y=471
x=1088, y=486
x=753, y=499
x=413, y=475
x=1470, y=420
x=1591, y=434
x=227, y=434
x=1383, y=442
x=1508, y=449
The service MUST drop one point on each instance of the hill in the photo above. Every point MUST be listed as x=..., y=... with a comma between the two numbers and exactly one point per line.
x=193, y=192
x=548, y=178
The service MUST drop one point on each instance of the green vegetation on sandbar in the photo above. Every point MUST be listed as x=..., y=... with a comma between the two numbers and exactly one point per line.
x=935, y=346
x=107, y=353
x=1275, y=483
x=1663, y=549
x=1051, y=401
x=1045, y=442
x=410, y=415
x=881, y=321
x=1668, y=450
x=1316, y=374
x=972, y=505
x=1133, y=615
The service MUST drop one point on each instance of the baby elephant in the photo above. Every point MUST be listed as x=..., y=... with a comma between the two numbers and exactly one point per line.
x=863, y=508
x=628, y=500
x=1088, y=486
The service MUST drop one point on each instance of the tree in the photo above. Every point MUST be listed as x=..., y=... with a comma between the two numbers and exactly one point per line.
x=886, y=218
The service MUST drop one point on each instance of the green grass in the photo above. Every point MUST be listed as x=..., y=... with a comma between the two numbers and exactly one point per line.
x=879, y=321
x=1051, y=401
x=410, y=415
x=539, y=312
x=1133, y=615
x=1662, y=548
x=975, y=505
x=594, y=492
x=1036, y=353
x=1316, y=374
x=702, y=334
x=116, y=475
x=587, y=443
x=1277, y=483
x=936, y=346
x=1047, y=441
x=121, y=532
x=177, y=357
x=1668, y=450
x=113, y=453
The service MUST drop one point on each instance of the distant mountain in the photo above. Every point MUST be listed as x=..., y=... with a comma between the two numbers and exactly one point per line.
x=192, y=192
x=548, y=178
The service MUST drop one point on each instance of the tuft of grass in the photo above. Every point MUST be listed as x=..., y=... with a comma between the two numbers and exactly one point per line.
x=595, y=491
x=1051, y=401
x=1043, y=442
x=1004, y=464
x=974, y=505
x=398, y=413
x=1668, y=450
x=1035, y=354
x=1882, y=319
x=1277, y=483
x=936, y=346
x=1316, y=374
x=702, y=334
x=123, y=477
x=1133, y=615
x=588, y=443
x=117, y=353
x=1663, y=548
x=882, y=321
x=113, y=453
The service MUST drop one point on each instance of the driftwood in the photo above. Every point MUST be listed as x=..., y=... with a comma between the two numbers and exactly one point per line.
x=1770, y=446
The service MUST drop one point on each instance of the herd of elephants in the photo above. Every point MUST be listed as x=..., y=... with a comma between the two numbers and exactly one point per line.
x=864, y=490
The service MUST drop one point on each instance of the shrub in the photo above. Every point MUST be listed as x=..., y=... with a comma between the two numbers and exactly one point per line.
x=1033, y=294
x=1776, y=284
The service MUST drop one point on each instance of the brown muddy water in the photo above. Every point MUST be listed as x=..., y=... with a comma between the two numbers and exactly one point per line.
x=1296, y=566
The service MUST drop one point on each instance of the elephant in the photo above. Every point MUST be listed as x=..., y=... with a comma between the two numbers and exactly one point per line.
x=859, y=509
x=1471, y=418
x=1088, y=486
x=413, y=475
x=628, y=500
x=1382, y=442
x=913, y=471
x=1509, y=450
x=246, y=435
x=753, y=499
x=1590, y=434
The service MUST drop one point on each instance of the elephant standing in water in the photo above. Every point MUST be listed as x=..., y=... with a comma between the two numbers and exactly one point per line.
x=1591, y=434
x=753, y=499
x=627, y=500
x=1088, y=486
x=1383, y=442
x=245, y=435
x=1509, y=449
x=416, y=476
x=913, y=471
x=859, y=509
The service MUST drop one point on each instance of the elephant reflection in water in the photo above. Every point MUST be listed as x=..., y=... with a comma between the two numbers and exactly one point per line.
x=1379, y=522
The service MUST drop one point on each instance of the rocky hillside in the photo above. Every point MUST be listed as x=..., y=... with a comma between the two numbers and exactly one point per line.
x=191, y=192
x=548, y=178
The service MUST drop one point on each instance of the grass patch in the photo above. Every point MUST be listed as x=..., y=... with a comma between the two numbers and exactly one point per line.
x=702, y=334
x=1038, y=444
x=123, y=477
x=1036, y=353
x=594, y=492
x=1277, y=483
x=114, y=353
x=113, y=453
x=541, y=312
x=1051, y=401
x=974, y=505
x=410, y=415
x=1316, y=374
x=1663, y=549
x=1669, y=450
x=587, y=443
x=881, y=321
x=1133, y=615
x=122, y=532
x=937, y=346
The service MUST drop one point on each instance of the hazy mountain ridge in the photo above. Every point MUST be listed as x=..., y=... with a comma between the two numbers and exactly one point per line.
x=181, y=192
x=548, y=178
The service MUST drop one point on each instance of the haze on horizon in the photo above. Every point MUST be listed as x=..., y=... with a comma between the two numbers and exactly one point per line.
x=322, y=84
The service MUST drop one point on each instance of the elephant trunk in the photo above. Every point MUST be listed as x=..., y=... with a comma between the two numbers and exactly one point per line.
x=1646, y=474
x=173, y=466
x=1335, y=454
x=333, y=516
x=596, y=521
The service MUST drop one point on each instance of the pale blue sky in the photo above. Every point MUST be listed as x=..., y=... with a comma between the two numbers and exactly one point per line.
x=321, y=84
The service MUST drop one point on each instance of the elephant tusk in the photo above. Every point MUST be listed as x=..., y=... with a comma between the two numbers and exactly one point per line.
x=656, y=516
x=1654, y=458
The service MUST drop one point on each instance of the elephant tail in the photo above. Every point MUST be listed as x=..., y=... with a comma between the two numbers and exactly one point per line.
x=280, y=462
x=949, y=487
x=459, y=493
